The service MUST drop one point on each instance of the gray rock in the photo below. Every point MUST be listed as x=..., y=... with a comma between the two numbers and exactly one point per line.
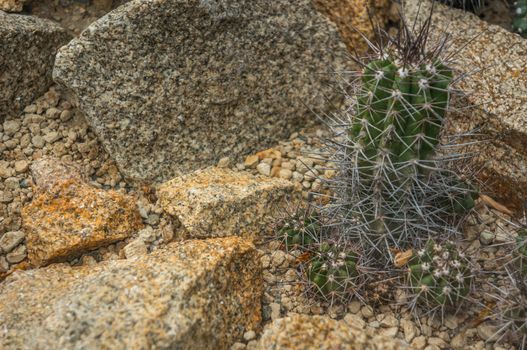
x=197, y=80
x=17, y=255
x=190, y=295
x=494, y=60
x=10, y=240
x=29, y=45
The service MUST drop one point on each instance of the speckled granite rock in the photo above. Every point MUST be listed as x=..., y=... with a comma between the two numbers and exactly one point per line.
x=190, y=295
x=47, y=172
x=28, y=47
x=497, y=63
x=220, y=202
x=352, y=18
x=200, y=80
x=321, y=332
x=11, y=5
x=72, y=217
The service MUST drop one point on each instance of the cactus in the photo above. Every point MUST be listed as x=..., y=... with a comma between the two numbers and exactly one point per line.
x=395, y=187
x=510, y=312
x=333, y=271
x=300, y=228
x=520, y=253
x=439, y=275
x=519, y=23
x=468, y=5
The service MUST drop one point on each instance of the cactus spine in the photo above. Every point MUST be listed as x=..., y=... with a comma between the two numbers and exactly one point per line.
x=333, y=271
x=519, y=23
x=301, y=228
x=439, y=275
x=398, y=190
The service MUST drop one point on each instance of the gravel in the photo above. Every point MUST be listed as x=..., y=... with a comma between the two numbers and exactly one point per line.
x=53, y=126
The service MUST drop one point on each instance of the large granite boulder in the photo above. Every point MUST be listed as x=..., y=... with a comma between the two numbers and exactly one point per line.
x=217, y=202
x=190, y=295
x=171, y=86
x=322, y=333
x=495, y=107
x=27, y=51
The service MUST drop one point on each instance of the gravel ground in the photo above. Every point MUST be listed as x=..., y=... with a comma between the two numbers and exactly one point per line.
x=53, y=127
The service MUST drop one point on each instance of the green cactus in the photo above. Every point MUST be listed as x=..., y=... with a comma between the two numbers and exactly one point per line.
x=519, y=23
x=520, y=252
x=300, y=228
x=510, y=312
x=439, y=275
x=469, y=5
x=395, y=134
x=333, y=271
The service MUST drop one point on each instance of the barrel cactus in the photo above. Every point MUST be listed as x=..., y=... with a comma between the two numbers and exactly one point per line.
x=333, y=271
x=510, y=312
x=519, y=23
x=439, y=275
x=396, y=187
x=300, y=228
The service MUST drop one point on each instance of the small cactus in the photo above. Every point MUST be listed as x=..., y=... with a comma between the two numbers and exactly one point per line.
x=395, y=188
x=333, y=271
x=301, y=228
x=510, y=312
x=439, y=275
x=520, y=253
x=519, y=23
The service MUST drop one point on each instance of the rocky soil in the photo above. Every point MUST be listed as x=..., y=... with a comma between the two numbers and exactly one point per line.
x=52, y=126
x=82, y=235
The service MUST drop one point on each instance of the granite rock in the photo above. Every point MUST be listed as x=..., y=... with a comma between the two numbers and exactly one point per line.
x=200, y=80
x=189, y=295
x=29, y=45
x=11, y=5
x=217, y=202
x=9, y=240
x=321, y=332
x=72, y=217
x=354, y=19
x=495, y=62
x=48, y=172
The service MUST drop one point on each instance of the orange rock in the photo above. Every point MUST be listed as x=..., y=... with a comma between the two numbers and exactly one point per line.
x=269, y=153
x=73, y=217
x=275, y=171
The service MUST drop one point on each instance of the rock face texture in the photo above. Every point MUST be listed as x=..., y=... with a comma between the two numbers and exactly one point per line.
x=11, y=5
x=217, y=202
x=352, y=18
x=321, y=332
x=200, y=80
x=28, y=47
x=496, y=63
x=191, y=295
x=70, y=217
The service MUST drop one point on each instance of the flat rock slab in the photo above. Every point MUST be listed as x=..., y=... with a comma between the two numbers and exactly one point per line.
x=216, y=202
x=68, y=217
x=28, y=47
x=196, y=81
x=496, y=63
x=190, y=295
x=321, y=333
